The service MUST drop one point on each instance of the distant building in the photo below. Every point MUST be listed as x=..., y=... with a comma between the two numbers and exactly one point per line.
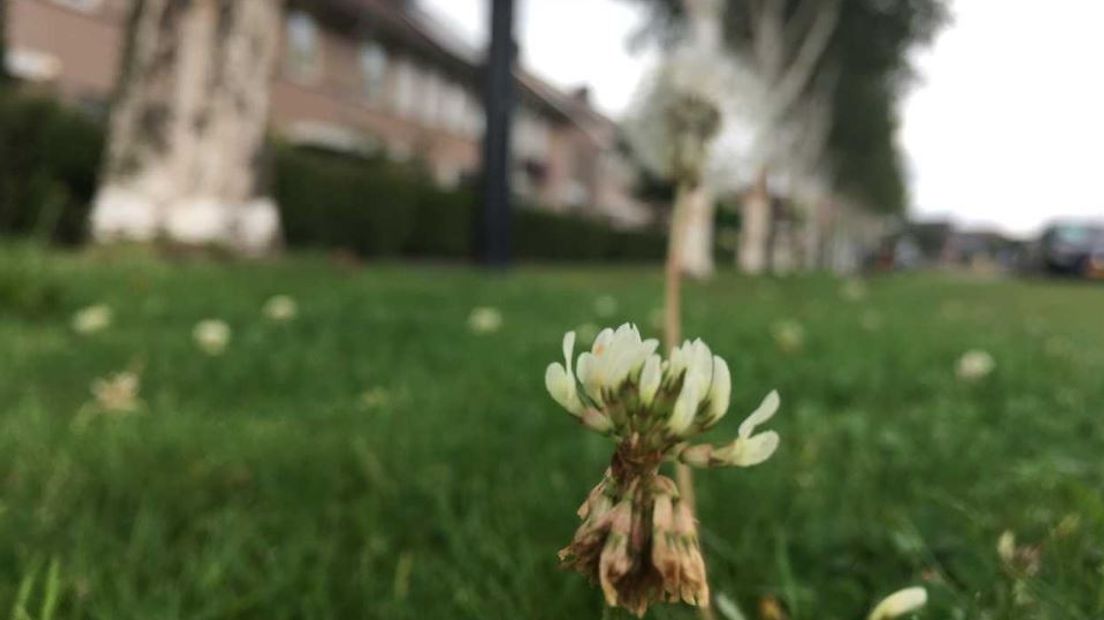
x=365, y=76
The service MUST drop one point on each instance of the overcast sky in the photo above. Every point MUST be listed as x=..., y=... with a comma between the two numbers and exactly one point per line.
x=1005, y=128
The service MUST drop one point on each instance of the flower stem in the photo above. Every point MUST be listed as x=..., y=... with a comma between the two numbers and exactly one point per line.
x=672, y=325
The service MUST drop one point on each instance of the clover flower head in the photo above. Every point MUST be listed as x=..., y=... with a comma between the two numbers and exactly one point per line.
x=211, y=336
x=92, y=319
x=853, y=290
x=789, y=335
x=485, y=320
x=605, y=306
x=900, y=603
x=117, y=393
x=974, y=365
x=280, y=308
x=651, y=407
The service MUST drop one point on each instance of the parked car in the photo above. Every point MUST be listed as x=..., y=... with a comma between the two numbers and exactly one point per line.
x=1072, y=249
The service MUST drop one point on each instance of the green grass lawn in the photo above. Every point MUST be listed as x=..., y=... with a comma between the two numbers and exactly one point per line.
x=262, y=483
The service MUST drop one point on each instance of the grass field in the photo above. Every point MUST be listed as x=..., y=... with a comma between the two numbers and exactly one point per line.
x=375, y=458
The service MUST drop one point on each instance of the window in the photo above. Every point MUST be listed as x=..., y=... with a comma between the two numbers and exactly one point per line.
x=304, y=57
x=405, y=96
x=373, y=69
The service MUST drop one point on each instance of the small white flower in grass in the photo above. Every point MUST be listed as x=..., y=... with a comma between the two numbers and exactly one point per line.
x=1006, y=547
x=853, y=290
x=605, y=306
x=117, y=393
x=789, y=335
x=587, y=332
x=92, y=319
x=375, y=397
x=974, y=365
x=485, y=320
x=211, y=336
x=900, y=603
x=280, y=308
x=624, y=389
x=728, y=608
x=871, y=320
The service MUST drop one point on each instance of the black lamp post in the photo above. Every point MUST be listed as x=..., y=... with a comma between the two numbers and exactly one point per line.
x=498, y=101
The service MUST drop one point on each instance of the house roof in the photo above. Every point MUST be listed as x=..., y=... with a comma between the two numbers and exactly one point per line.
x=421, y=31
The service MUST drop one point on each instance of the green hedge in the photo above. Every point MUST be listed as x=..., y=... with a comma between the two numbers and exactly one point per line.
x=49, y=158
x=379, y=208
x=50, y=155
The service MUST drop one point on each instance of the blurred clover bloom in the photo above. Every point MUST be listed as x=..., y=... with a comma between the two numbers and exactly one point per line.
x=92, y=319
x=605, y=306
x=974, y=365
x=117, y=393
x=485, y=320
x=280, y=308
x=853, y=290
x=211, y=336
x=900, y=603
x=587, y=332
x=789, y=335
x=638, y=537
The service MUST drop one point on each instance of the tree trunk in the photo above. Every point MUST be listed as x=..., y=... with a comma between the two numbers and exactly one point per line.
x=697, y=246
x=187, y=130
x=755, y=227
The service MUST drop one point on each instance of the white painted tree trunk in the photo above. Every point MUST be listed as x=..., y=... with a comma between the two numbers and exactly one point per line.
x=755, y=227
x=697, y=246
x=188, y=127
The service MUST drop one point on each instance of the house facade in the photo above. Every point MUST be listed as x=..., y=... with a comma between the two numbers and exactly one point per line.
x=366, y=76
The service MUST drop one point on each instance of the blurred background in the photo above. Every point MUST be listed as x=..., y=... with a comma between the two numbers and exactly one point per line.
x=279, y=281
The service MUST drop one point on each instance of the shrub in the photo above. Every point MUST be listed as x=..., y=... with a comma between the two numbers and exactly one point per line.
x=332, y=200
x=49, y=159
x=379, y=208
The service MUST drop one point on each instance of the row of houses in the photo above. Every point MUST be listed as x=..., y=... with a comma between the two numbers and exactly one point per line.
x=366, y=76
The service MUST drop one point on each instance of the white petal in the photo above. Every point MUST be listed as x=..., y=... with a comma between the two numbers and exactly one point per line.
x=568, y=349
x=650, y=378
x=751, y=451
x=588, y=368
x=766, y=411
x=562, y=387
x=720, y=390
x=602, y=341
x=900, y=603
x=686, y=407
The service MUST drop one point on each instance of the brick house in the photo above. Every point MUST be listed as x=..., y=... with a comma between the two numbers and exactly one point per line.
x=365, y=75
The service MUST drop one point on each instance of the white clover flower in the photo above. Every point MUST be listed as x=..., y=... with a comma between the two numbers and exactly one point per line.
x=853, y=290
x=211, y=336
x=92, y=319
x=586, y=333
x=789, y=335
x=485, y=320
x=622, y=386
x=375, y=397
x=280, y=308
x=900, y=603
x=1006, y=547
x=117, y=393
x=871, y=320
x=624, y=389
x=605, y=306
x=974, y=365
